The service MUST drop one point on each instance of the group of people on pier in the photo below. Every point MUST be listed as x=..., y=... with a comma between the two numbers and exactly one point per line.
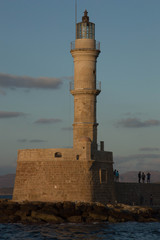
x=142, y=177
x=116, y=175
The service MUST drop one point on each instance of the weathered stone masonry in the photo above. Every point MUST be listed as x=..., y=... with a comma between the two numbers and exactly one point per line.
x=41, y=176
x=137, y=193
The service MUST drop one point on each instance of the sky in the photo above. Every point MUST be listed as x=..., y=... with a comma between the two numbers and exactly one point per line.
x=36, y=107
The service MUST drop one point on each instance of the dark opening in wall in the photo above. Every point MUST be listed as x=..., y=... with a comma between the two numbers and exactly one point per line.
x=58, y=154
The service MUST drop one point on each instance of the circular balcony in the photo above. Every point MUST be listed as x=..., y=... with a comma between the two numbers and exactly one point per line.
x=83, y=90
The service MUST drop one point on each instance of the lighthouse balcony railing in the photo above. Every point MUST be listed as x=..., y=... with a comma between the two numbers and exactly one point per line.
x=97, y=46
x=98, y=86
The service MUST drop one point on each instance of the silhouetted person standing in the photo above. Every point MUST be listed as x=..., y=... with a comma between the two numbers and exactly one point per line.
x=117, y=176
x=143, y=177
x=139, y=177
x=148, y=177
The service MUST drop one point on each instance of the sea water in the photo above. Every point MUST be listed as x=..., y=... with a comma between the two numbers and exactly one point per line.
x=118, y=231
x=5, y=196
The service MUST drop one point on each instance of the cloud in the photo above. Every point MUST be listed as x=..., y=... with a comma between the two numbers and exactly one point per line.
x=4, y=114
x=13, y=81
x=149, y=149
x=137, y=123
x=2, y=92
x=137, y=162
x=67, y=128
x=136, y=157
x=37, y=141
x=133, y=115
x=22, y=140
x=31, y=141
x=47, y=120
x=70, y=78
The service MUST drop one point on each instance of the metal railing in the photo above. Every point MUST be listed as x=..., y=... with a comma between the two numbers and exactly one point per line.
x=97, y=46
x=71, y=86
x=98, y=86
x=72, y=45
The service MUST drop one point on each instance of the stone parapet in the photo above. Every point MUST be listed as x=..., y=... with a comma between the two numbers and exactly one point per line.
x=46, y=154
x=137, y=193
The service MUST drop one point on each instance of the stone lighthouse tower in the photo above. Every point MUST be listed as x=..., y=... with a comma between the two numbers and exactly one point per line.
x=85, y=51
x=84, y=172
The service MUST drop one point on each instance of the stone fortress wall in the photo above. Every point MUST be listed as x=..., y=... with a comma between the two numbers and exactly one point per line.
x=64, y=174
x=54, y=174
x=137, y=193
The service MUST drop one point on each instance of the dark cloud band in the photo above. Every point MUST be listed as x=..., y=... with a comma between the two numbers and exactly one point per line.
x=137, y=123
x=135, y=157
x=31, y=141
x=149, y=149
x=4, y=114
x=12, y=81
x=47, y=120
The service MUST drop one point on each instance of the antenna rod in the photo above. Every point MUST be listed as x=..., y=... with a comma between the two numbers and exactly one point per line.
x=75, y=15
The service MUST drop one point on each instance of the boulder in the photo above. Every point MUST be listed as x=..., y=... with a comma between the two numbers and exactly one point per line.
x=76, y=212
x=46, y=217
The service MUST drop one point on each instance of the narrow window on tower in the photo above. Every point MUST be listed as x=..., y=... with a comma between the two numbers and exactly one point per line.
x=103, y=175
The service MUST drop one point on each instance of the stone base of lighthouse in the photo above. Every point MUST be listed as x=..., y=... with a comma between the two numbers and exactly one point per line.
x=64, y=175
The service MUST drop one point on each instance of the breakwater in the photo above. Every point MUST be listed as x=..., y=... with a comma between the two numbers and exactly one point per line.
x=74, y=212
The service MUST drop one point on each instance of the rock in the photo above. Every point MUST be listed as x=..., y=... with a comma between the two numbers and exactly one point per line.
x=143, y=219
x=97, y=217
x=111, y=219
x=68, y=210
x=46, y=217
x=100, y=209
x=52, y=208
x=83, y=207
x=75, y=219
x=59, y=212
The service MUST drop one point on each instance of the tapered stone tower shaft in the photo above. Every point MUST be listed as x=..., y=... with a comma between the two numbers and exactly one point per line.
x=85, y=51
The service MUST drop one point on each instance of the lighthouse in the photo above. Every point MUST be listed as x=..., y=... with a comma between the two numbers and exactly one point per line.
x=85, y=51
x=82, y=173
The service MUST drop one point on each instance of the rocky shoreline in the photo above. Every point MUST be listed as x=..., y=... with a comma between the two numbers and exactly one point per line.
x=74, y=212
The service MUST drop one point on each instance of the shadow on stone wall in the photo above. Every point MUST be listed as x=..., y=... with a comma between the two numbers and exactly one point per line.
x=138, y=193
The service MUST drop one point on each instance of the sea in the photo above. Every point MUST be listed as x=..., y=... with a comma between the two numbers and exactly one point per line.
x=68, y=231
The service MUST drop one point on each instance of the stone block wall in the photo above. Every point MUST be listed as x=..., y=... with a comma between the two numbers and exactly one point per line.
x=56, y=180
x=42, y=176
x=137, y=193
x=103, y=185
